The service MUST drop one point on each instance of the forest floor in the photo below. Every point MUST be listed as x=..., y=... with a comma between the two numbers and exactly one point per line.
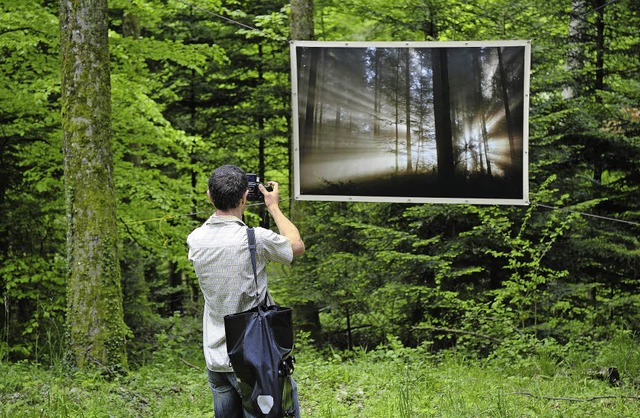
x=389, y=382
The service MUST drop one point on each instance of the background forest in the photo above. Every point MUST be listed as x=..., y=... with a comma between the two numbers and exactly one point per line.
x=199, y=84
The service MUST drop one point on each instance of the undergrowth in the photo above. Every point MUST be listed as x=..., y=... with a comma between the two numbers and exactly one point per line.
x=527, y=379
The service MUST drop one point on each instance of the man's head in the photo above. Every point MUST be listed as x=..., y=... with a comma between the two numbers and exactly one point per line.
x=227, y=186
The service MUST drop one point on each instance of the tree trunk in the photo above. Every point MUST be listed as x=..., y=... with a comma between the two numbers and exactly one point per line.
x=598, y=164
x=507, y=105
x=302, y=28
x=301, y=21
x=407, y=107
x=94, y=318
x=442, y=116
x=575, y=54
x=377, y=105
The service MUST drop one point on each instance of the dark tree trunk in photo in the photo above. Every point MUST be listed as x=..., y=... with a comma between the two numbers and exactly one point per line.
x=485, y=142
x=442, y=115
x=507, y=106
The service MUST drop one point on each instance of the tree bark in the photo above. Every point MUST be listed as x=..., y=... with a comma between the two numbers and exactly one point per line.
x=575, y=53
x=95, y=317
x=301, y=21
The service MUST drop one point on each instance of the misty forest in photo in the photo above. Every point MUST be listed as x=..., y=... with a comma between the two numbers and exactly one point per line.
x=441, y=122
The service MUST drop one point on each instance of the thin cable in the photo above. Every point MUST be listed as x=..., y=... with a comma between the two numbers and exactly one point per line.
x=598, y=8
x=606, y=218
x=228, y=19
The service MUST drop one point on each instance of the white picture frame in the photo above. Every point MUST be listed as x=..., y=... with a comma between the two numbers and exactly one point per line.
x=414, y=122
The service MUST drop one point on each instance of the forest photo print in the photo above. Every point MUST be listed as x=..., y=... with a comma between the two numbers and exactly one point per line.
x=422, y=122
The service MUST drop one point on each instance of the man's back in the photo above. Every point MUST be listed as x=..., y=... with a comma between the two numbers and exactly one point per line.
x=222, y=262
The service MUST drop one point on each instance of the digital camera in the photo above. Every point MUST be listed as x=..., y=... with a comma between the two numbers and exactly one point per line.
x=254, y=191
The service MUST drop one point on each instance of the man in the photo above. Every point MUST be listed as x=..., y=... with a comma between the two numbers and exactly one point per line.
x=222, y=262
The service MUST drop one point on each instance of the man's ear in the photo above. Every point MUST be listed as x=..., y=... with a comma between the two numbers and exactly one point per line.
x=210, y=198
x=244, y=196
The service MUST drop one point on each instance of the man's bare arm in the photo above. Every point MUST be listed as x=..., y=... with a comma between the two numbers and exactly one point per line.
x=285, y=226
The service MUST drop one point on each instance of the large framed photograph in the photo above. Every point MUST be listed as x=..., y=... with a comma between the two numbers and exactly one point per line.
x=433, y=122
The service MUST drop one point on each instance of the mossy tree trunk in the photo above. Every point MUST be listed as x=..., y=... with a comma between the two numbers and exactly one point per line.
x=301, y=20
x=94, y=318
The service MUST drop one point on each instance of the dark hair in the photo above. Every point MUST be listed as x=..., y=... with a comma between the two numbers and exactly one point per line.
x=227, y=185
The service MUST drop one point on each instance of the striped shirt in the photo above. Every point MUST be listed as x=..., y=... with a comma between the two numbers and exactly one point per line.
x=220, y=255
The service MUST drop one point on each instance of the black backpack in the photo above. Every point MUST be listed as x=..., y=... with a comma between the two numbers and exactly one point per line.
x=260, y=342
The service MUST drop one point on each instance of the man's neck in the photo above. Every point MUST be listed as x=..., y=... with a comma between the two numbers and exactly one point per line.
x=237, y=212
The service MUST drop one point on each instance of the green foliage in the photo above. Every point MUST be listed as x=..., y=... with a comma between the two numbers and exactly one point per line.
x=37, y=287
x=32, y=230
x=191, y=91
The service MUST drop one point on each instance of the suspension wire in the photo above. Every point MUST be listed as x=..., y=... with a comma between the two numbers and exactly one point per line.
x=228, y=19
x=598, y=8
x=252, y=28
x=606, y=218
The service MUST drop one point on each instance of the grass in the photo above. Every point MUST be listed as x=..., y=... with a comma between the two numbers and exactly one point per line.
x=390, y=382
x=455, y=387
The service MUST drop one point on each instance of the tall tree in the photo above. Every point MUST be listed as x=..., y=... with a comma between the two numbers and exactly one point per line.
x=95, y=318
x=407, y=107
x=442, y=116
x=505, y=102
x=575, y=52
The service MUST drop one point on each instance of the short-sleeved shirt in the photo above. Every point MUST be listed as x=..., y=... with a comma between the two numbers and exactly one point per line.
x=222, y=262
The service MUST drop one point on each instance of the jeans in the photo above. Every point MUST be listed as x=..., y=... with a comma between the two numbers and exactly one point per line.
x=227, y=402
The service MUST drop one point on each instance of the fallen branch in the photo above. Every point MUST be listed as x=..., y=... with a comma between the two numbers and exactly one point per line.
x=593, y=398
x=190, y=365
x=458, y=331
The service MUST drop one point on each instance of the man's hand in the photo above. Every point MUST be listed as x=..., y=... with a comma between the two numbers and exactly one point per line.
x=270, y=197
